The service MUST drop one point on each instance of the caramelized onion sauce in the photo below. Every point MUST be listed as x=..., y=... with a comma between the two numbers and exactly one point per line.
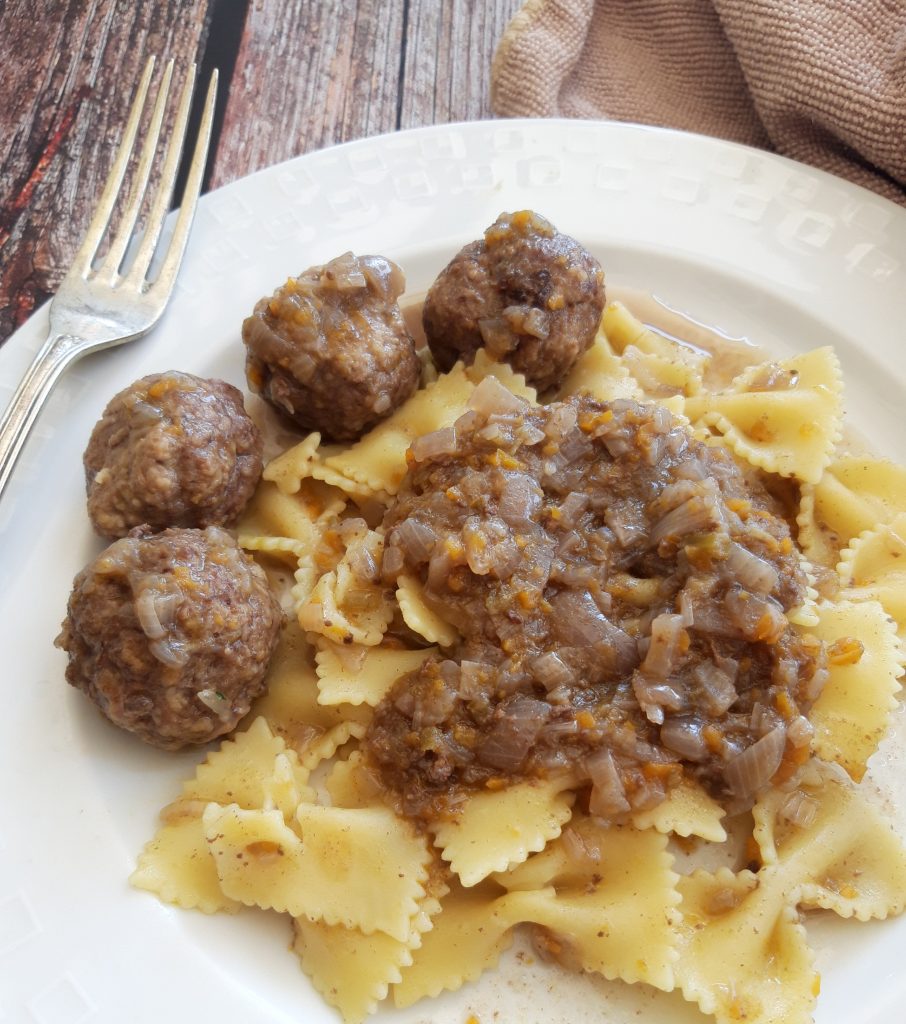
x=621, y=591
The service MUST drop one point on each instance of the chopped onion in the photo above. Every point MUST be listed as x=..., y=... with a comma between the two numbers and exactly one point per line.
x=608, y=797
x=471, y=679
x=433, y=445
x=362, y=562
x=800, y=809
x=552, y=671
x=433, y=706
x=216, y=702
x=497, y=335
x=752, y=572
x=800, y=731
x=561, y=420
x=490, y=397
x=572, y=508
x=578, y=622
x=627, y=524
x=811, y=688
x=667, y=636
x=653, y=696
x=759, y=618
x=579, y=848
x=528, y=320
x=717, y=685
x=343, y=274
x=169, y=653
x=520, y=499
x=490, y=547
x=146, y=613
x=683, y=735
x=511, y=738
x=384, y=277
x=415, y=539
x=392, y=562
x=753, y=769
x=697, y=515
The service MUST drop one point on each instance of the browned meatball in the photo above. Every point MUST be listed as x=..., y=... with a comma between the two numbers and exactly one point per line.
x=171, y=450
x=531, y=296
x=330, y=348
x=170, y=634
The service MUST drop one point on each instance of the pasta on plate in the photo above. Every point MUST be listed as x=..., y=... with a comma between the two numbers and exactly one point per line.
x=287, y=815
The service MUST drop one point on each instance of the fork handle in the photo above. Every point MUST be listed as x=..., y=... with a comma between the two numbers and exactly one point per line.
x=53, y=357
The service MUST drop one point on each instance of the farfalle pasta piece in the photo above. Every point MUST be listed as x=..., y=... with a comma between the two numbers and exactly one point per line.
x=855, y=493
x=833, y=848
x=600, y=372
x=291, y=467
x=852, y=712
x=744, y=955
x=362, y=675
x=354, y=971
x=484, y=365
x=349, y=784
x=271, y=513
x=781, y=417
x=377, y=463
x=303, y=468
x=607, y=904
x=467, y=939
x=873, y=568
x=659, y=365
x=349, y=605
x=254, y=770
x=363, y=868
x=419, y=617
x=291, y=707
x=176, y=865
x=493, y=830
x=686, y=811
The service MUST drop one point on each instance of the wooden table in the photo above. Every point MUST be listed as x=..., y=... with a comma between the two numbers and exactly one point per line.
x=296, y=75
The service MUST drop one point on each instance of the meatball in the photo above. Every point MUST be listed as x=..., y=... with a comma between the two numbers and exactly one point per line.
x=171, y=450
x=330, y=348
x=531, y=296
x=170, y=634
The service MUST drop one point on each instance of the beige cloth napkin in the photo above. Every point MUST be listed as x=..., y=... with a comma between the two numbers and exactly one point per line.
x=822, y=81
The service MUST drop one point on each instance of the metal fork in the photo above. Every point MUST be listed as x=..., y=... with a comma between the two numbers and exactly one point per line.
x=100, y=306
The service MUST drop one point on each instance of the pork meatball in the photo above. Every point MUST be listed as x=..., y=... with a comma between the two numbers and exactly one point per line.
x=532, y=296
x=170, y=634
x=330, y=348
x=171, y=450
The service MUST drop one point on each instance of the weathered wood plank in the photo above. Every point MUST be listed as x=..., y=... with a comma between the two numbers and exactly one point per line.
x=69, y=69
x=449, y=48
x=310, y=74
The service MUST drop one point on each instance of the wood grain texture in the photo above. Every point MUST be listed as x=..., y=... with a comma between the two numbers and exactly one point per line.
x=69, y=70
x=310, y=74
x=449, y=47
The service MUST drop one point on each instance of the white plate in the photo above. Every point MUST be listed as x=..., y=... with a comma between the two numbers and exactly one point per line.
x=761, y=247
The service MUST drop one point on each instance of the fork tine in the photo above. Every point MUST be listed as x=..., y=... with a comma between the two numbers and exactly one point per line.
x=119, y=244
x=176, y=249
x=157, y=215
x=82, y=262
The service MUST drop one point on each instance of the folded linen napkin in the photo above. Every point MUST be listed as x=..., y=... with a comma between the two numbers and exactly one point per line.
x=822, y=81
